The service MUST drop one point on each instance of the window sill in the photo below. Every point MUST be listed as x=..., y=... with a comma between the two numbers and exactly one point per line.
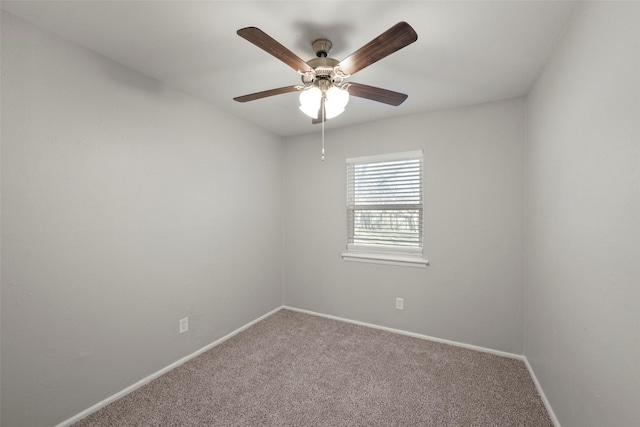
x=386, y=259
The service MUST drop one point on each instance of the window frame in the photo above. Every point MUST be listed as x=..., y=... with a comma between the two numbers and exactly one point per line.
x=412, y=256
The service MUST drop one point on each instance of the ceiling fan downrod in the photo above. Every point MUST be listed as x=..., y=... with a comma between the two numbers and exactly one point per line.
x=322, y=47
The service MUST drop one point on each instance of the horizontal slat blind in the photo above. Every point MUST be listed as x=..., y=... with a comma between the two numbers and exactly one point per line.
x=384, y=201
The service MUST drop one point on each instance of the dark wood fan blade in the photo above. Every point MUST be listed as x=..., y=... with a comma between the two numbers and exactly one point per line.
x=376, y=94
x=271, y=46
x=322, y=116
x=392, y=40
x=266, y=93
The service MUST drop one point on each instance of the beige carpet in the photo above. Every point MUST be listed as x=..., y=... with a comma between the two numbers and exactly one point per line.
x=294, y=369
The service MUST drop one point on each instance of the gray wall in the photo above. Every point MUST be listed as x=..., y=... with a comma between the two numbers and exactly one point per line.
x=472, y=292
x=126, y=206
x=119, y=217
x=583, y=220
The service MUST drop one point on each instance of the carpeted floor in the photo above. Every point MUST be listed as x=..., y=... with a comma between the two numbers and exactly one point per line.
x=294, y=369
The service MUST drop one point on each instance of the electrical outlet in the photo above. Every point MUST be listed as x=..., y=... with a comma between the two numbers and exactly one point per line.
x=399, y=303
x=183, y=325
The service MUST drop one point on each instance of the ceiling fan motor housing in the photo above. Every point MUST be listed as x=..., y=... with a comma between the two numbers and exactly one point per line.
x=323, y=69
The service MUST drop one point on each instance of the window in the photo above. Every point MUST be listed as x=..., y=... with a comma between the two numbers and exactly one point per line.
x=384, y=209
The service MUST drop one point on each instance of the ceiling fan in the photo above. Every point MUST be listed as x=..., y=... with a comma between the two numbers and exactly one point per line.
x=324, y=91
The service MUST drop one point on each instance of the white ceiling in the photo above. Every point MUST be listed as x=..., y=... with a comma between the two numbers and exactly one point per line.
x=466, y=53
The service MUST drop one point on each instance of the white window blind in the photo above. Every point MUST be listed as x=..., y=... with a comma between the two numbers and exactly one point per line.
x=384, y=203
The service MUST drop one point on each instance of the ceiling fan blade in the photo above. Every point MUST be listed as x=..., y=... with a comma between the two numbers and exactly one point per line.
x=266, y=93
x=392, y=40
x=376, y=94
x=270, y=45
x=322, y=114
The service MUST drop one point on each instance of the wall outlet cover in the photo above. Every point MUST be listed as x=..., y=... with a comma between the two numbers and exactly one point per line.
x=183, y=325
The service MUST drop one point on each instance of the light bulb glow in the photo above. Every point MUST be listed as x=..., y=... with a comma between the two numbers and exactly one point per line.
x=310, y=101
x=335, y=101
x=338, y=97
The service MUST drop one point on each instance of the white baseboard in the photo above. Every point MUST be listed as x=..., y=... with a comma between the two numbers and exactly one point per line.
x=542, y=395
x=157, y=374
x=412, y=334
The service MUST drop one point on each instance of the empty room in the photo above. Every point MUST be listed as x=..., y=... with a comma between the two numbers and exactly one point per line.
x=331, y=213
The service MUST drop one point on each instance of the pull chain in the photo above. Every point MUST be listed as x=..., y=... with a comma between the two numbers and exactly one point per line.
x=323, y=137
x=322, y=129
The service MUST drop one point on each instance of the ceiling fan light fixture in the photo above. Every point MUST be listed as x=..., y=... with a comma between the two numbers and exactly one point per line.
x=335, y=101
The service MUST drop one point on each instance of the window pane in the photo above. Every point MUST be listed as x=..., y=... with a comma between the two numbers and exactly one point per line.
x=387, y=227
x=397, y=182
x=384, y=201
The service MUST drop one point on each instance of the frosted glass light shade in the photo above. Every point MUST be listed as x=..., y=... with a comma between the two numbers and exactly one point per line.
x=310, y=101
x=337, y=97
x=335, y=101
